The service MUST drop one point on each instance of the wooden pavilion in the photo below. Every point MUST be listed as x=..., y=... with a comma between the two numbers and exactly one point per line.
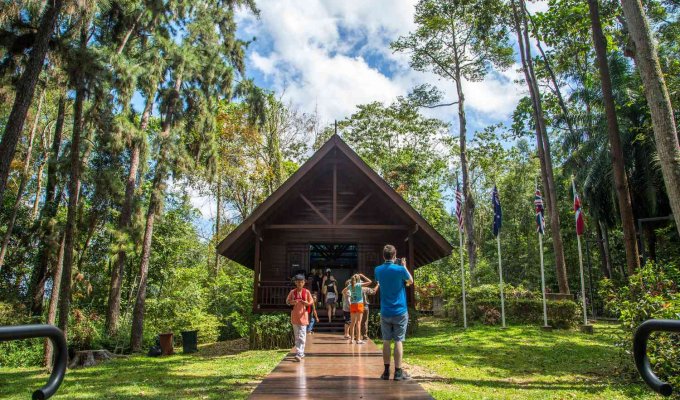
x=333, y=212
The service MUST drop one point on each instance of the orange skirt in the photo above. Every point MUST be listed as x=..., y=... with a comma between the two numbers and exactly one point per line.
x=356, y=308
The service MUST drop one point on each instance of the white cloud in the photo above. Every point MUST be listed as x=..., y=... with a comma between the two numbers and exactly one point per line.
x=333, y=55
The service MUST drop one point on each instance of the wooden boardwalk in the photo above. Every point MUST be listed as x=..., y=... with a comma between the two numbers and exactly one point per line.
x=335, y=369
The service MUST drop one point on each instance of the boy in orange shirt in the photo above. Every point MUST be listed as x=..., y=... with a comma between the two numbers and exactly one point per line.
x=300, y=299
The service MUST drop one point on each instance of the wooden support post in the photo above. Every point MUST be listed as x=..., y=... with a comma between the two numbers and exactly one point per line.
x=411, y=291
x=256, y=269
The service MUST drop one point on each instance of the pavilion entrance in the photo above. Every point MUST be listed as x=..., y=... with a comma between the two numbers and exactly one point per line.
x=341, y=258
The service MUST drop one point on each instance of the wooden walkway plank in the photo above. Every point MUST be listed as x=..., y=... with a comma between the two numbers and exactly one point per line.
x=335, y=369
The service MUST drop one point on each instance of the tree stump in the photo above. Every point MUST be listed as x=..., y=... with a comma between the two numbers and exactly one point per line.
x=88, y=358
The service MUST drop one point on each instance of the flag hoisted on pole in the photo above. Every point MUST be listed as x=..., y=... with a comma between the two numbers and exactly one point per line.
x=580, y=228
x=540, y=228
x=497, y=222
x=459, y=215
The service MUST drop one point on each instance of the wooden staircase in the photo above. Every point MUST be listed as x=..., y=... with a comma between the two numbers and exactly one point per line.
x=337, y=324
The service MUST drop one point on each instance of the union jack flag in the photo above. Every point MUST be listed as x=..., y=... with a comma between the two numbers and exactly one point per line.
x=459, y=206
x=540, y=221
x=580, y=224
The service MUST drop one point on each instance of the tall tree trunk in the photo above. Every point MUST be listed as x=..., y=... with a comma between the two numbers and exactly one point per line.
x=25, y=90
x=129, y=33
x=663, y=122
x=615, y=147
x=218, y=217
x=469, y=204
x=47, y=214
x=551, y=74
x=73, y=195
x=140, y=302
x=22, y=184
x=113, y=309
x=605, y=264
x=38, y=188
x=543, y=145
x=155, y=202
x=54, y=301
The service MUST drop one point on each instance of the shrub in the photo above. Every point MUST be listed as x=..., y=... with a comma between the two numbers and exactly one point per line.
x=21, y=353
x=562, y=314
x=13, y=314
x=491, y=316
x=271, y=331
x=651, y=293
x=83, y=331
x=18, y=353
x=182, y=306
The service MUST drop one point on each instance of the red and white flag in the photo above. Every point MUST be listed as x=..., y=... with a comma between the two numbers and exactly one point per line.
x=580, y=225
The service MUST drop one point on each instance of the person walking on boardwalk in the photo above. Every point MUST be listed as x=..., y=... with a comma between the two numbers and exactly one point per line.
x=330, y=291
x=300, y=299
x=356, y=306
x=393, y=280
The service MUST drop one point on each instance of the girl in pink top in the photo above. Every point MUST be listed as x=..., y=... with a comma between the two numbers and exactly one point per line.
x=300, y=299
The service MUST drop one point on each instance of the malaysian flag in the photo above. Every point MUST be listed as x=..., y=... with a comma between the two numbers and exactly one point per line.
x=459, y=206
x=497, y=212
x=540, y=221
x=580, y=225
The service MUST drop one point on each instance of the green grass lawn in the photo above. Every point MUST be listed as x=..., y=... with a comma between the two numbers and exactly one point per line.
x=205, y=375
x=521, y=362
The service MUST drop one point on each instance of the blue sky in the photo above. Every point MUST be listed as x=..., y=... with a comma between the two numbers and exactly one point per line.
x=331, y=56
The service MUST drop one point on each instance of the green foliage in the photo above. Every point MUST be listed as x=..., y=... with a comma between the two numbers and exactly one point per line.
x=21, y=353
x=405, y=148
x=85, y=330
x=18, y=353
x=231, y=300
x=651, y=293
x=271, y=331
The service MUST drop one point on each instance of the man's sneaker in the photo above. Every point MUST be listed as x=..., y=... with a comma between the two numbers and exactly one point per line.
x=360, y=342
x=298, y=359
x=302, y=356
x=400, y=375
x=385, y=376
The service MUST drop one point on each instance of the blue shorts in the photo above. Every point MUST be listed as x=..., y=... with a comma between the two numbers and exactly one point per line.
x=394, y=328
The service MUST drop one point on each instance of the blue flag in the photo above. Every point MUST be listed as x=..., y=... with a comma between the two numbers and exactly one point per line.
x=497, y=212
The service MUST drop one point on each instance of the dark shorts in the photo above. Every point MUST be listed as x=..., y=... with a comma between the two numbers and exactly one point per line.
x=348, y=317
x=394, y=328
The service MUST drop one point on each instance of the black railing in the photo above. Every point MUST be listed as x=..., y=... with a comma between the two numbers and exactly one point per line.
x=60, y=352
x=640, y=352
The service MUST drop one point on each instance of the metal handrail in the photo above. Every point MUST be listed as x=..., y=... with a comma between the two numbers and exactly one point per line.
x=640, y=352
x=60, y=352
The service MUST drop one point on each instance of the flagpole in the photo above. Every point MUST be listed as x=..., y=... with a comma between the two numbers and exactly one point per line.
x=580, y=262
x=545, y=307
x=583, y=287
x=462, y=276
x=500, y=273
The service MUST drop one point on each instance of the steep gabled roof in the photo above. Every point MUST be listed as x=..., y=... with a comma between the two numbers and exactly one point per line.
x=239, y=244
